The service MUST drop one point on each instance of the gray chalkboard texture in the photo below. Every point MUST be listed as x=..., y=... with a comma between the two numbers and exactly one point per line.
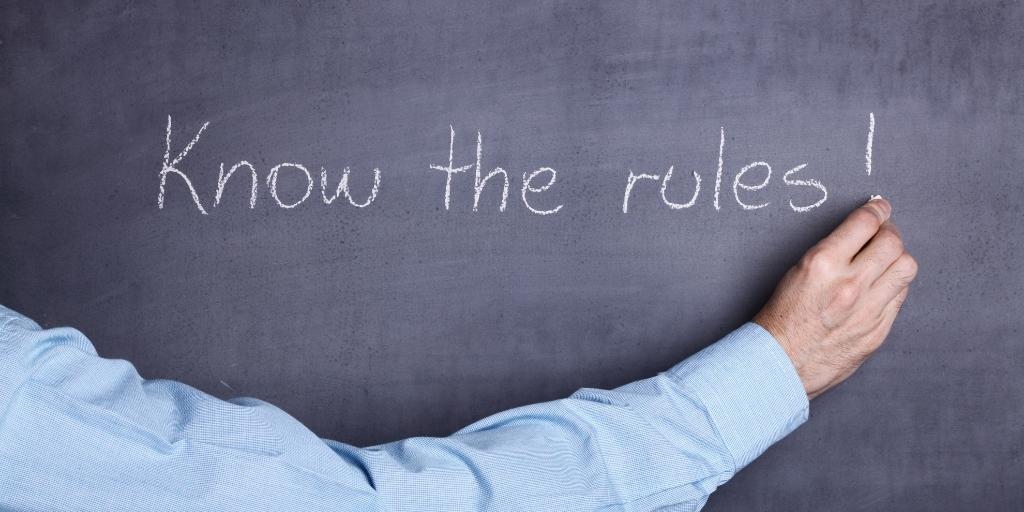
x=404, y=318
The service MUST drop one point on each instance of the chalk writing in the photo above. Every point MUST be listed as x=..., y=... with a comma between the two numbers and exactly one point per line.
x=871, y=142
x=171, y=167
x=480, y=182
x=745, y=185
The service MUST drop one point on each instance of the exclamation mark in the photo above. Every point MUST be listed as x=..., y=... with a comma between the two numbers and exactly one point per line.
x=871, y=142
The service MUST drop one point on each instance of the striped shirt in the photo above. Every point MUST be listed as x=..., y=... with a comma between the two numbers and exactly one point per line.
x=80, y=432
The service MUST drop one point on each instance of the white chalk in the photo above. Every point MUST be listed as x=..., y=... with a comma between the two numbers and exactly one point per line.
x=171, y=166
x=693, y=198
x=450, y=169
x=272, y=182
x=871, y=141
x=736, y=185
x=718, y=174
x=530, y=188
x=478, y=184
x=222, y=179
x=630, y=181
x=343, y=188
x=808, y=183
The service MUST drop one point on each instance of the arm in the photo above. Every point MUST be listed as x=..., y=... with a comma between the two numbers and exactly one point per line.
x=79, y=432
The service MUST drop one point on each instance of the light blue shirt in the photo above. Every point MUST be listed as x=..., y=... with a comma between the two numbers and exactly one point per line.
x=79, y=432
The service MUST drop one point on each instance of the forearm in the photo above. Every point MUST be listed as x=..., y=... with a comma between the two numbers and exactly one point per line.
x=78, y=431
x=667, y=440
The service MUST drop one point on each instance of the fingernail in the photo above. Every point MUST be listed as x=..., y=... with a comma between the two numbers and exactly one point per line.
x=881, y=203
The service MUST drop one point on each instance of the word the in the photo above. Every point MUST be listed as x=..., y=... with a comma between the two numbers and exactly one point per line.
x=479, y=184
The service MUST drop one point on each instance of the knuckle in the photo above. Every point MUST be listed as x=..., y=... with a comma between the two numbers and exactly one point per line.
x=846, y=293
x=905, y=271
x=899, y=280
x=889, y=242
x=875, y=343
x=871, y=340
x=818, y=261
x=911, y=264
x=867, y=215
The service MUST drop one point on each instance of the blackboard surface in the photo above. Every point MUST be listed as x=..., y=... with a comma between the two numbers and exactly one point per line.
x=403, y=318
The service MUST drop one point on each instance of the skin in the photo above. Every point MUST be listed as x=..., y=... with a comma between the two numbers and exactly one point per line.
x=836, y=306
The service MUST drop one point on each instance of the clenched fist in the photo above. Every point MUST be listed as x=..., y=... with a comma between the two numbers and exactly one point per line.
x=836, y=306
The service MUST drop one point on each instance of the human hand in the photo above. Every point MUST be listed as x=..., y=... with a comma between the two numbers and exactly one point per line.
x=836, y=306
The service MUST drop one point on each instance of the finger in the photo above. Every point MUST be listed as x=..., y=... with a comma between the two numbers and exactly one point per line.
x=894, y=280
x=894, y=306
x=879, y=253
x=889, y=313
x=858, y=228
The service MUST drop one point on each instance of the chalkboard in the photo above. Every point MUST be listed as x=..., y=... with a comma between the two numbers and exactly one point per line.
x=405, y=317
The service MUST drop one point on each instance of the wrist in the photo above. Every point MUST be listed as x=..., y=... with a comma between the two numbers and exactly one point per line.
x=796, y=357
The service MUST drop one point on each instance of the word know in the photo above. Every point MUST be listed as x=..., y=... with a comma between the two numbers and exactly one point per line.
x=171, y=167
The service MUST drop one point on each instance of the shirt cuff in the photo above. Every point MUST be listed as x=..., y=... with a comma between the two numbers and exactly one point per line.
x=749, y=388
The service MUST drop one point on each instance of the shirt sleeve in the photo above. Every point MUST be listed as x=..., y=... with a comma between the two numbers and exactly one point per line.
x=80, y=432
